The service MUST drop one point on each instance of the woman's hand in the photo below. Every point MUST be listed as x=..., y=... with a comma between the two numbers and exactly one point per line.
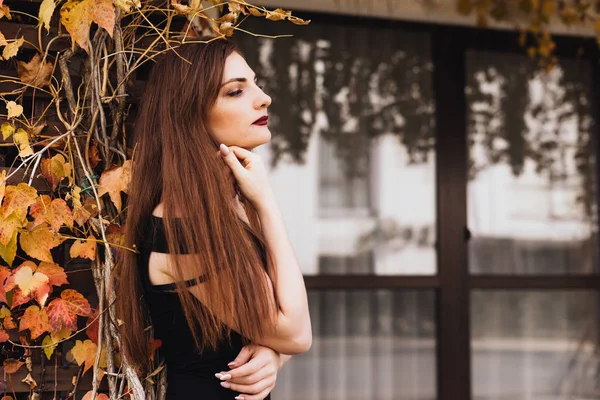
x=254, y=372
x=250, y=174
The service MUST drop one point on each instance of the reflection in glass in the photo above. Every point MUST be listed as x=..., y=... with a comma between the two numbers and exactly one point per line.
x=532, y=182
x=352, y=152
x=367, y=345
x=535, y=345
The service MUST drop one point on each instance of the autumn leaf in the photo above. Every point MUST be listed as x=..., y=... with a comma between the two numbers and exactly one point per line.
x=114, y=181
x=55, y=273
x=9, y=227
x=9, y=323
x=93, y=326
x=30, y=381
x=29, y=284
x=194, y=7
x=85, y=352
x=5, y=11
x=126, y=5
x=3, y=41
x=77, y=16
x=115, y=234
x=2, y=184
x=82, y=214
x=11, y=49
x=35, y=72
x=35, y=320
x=62, y=313
x=14, y=109
x=256, y=12
x=52, y=340
x=21, y=138
x=84, y=249
x=94, y=155
x=55, y=169
x=38, y=242
x=8, y=251
x=7, y=130
x=11, y=365
x=4, y=312
x=55, y=212
x=45, y=15
x=278, y=14
x=99, y=396
x=18, y=199
x=3, y=336
x=298, y=21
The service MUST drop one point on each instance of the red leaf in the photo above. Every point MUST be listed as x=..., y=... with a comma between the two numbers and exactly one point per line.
x=93, y=327
x=99, y=396
x=62, y=313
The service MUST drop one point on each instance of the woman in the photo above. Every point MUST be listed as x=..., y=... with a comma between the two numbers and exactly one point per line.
x=215, y=274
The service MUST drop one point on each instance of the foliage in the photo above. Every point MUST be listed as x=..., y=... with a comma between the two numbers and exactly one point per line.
x=68, y=112
x=534, y=17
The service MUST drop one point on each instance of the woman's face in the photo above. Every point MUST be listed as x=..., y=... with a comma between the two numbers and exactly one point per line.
x=239, y=115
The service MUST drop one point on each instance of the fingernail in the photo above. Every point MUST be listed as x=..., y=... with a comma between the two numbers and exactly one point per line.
x=224, y=149
x=238, y=398
x=219, y=376
x=225, y=385
x=231, y=364
x=225, y=377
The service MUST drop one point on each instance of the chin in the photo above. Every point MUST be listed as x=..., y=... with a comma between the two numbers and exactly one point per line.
x=258, y=140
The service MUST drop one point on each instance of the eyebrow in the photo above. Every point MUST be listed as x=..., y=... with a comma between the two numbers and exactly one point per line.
x=236, y=80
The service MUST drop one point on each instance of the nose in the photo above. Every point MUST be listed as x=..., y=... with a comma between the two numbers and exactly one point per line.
x=263, y=100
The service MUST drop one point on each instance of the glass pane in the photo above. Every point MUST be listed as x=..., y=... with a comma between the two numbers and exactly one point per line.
x=367, y=345
x=352, y=131
x=535, y=345
x=532, y=202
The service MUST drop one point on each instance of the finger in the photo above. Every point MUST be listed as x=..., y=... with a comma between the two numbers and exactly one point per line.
x=231, y=160
x=261, y=396
x=245, y=156
x=260, y=375
x=243, y=357
x=248, y=389
x=249, y=368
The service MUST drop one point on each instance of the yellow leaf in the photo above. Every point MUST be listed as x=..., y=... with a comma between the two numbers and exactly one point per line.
x=7, y=130
x=278, y=14
x=3, y=41
x=36, y=320
x=77, y=16
x=85, y=352
x=39, y=241
x=256, y=12
x=35, y=72
x=53, y=339
x=17, y=199
x=126, y=5
x=8, y=251
x=46, y=10
x=5, y=11
x=114, y=181
x=4, y=312
x=14, y=109
x=2, y=184
x=29, y=283
x=9, y=227
x=21, y=138
x=11, y=49
x=84, y=249
x=30, y=381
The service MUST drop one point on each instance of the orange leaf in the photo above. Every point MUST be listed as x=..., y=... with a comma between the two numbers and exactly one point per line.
x=3, y=336
x=82, y=213
x=84, y=249
x=3, y=172
x=11, y=365
x=115, y=234
x=77, y=16
x=55, y=273
x=4, y=273
x=99, y=396
x=94, y=155
x=278, y=14
x=29, y=284
x=114, y=181
x=85, y=352
x=35, y=72
x=8, y=251
x=35, y=320
x=9, y=323
x=62, y=313
x=93, y=327
x=38, y=242
x=55, y=212
x=55, y=169
x=18, y=199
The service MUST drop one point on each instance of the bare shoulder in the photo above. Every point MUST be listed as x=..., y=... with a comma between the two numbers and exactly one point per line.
x=158, y=210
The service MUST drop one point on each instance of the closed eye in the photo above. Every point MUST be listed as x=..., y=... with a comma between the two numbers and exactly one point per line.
x=235, y=93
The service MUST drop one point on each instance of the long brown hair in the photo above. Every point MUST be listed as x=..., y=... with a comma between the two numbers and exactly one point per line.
x=176, y=163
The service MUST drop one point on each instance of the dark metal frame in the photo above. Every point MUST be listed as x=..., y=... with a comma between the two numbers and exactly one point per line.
x=453, y=283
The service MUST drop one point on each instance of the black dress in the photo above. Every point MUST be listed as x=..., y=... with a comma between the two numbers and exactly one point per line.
x=190, y=375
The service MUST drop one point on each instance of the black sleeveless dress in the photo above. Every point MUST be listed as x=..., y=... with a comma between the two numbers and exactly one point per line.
x=190, y=374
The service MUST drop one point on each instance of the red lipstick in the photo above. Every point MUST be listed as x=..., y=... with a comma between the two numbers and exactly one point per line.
x=261, y=121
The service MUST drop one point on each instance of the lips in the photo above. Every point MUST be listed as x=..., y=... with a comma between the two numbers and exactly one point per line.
x=261, y=121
